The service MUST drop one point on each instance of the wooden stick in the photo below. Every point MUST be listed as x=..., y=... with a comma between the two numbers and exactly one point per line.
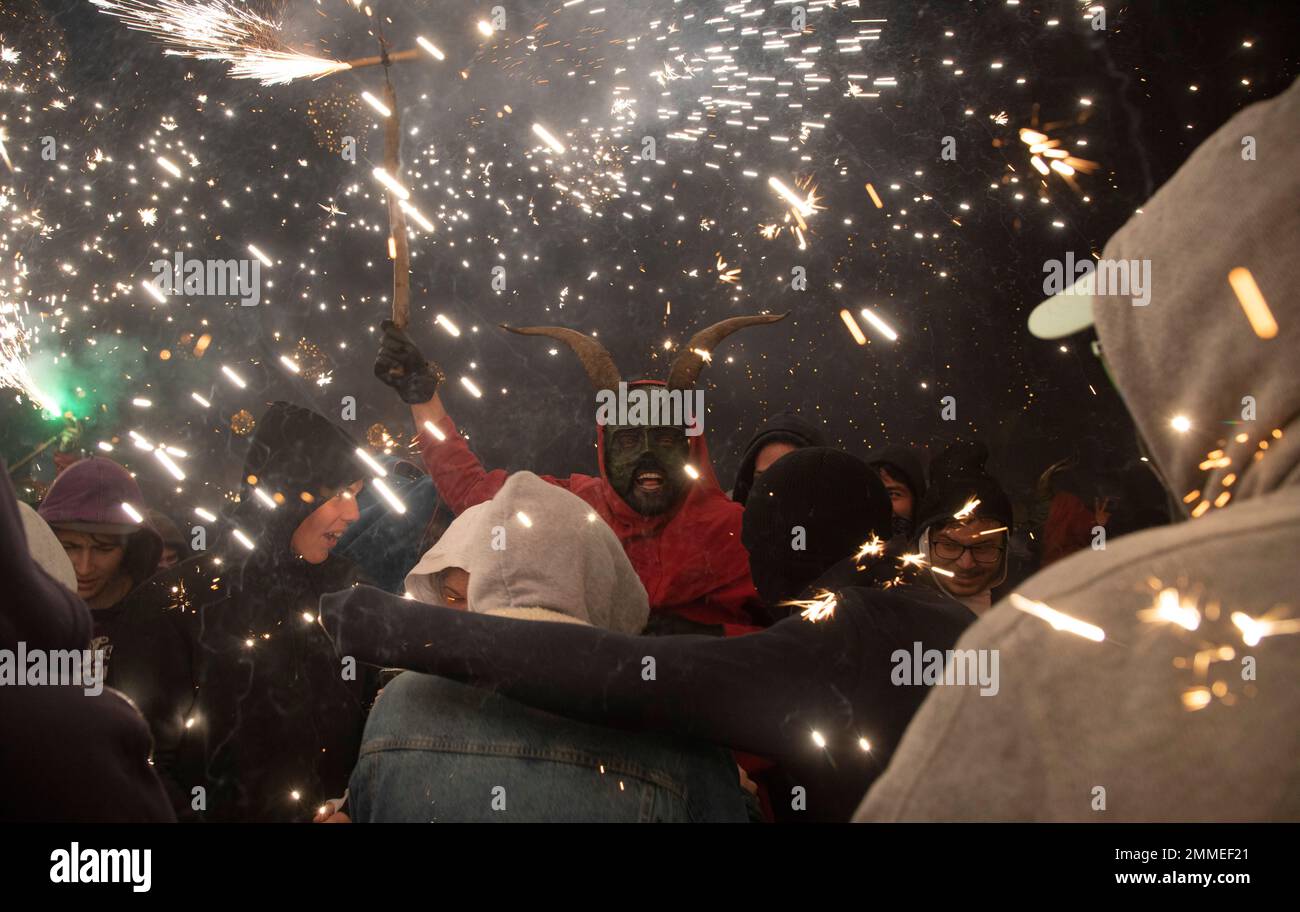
x=33, y=454
x=396, y=215
x=409, y=54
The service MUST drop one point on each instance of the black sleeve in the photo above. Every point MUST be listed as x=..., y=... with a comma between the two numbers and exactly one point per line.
x=764, y=692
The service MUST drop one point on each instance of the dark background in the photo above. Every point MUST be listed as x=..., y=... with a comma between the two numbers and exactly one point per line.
x=962, y=334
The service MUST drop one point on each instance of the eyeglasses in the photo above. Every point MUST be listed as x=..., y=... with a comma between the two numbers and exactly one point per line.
x=983, y=553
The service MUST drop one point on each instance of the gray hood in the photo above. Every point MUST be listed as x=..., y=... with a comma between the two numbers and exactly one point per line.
x=1155, y=722
x=45, y=547
x=563, y=563
x=1191, y=351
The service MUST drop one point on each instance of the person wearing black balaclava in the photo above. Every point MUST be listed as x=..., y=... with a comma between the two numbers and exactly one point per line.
x=804, y=533
x=780, y=435
x=820, y=699
x=245, y=696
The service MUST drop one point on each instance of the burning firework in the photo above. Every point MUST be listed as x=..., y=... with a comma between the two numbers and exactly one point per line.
x=218, y=30
x=15, y=346
x=818, y=608
x=1047, y=155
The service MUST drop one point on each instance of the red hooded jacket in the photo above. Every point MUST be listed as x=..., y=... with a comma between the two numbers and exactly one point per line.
x=1068, y=528
x=690, y=560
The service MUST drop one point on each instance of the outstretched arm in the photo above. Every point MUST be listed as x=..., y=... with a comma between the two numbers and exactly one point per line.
x=764, y=693
x=819, y=699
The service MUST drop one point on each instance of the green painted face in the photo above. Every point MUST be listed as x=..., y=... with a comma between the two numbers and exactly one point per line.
x=647, y=466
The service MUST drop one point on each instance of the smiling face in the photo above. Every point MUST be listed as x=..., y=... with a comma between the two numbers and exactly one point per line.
x=974, y=552
x=647, y=466
x=317, y=535
x=97, y=559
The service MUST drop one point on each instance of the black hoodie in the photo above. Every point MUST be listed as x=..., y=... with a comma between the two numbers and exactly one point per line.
x=787, y=427
x=903, y=464
x=958, y=478
x=244, y=693
x=65, y=755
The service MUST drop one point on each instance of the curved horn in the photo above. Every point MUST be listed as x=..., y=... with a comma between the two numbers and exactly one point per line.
x=686, y=366
x=597, y=362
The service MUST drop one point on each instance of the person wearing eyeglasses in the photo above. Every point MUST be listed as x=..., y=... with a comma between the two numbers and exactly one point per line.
x=964, y=527
x=1118, y=723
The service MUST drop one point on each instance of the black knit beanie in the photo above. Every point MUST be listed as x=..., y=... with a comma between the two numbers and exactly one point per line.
x=837, y=499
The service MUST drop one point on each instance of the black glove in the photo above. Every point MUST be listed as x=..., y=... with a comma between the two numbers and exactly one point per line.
x=401, y=366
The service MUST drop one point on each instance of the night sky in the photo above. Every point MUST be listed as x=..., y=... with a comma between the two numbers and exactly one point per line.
x=596, y=238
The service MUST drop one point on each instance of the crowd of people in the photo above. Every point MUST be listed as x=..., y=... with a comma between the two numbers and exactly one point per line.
x=641, y=645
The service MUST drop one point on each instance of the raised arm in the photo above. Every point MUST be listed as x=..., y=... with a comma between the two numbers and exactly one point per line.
x=457, y=473
x=459, y=477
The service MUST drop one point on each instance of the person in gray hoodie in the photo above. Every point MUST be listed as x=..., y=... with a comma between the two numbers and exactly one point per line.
x=1179, y=702
x=438, y=750
x=826, y=701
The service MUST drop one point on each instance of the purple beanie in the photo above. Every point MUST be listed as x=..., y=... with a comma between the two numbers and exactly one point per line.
x=88, y=496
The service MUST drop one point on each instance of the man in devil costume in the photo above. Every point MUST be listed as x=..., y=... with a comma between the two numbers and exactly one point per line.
x=680, y=531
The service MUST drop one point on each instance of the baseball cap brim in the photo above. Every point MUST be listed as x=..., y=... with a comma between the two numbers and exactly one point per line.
x=1064, y=313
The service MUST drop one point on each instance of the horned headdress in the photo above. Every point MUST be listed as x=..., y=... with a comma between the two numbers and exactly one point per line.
x=685, y=370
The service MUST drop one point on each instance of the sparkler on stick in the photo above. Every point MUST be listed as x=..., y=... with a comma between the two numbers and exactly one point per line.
x=253, y=48
x=219, y=30
x=396, y=214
